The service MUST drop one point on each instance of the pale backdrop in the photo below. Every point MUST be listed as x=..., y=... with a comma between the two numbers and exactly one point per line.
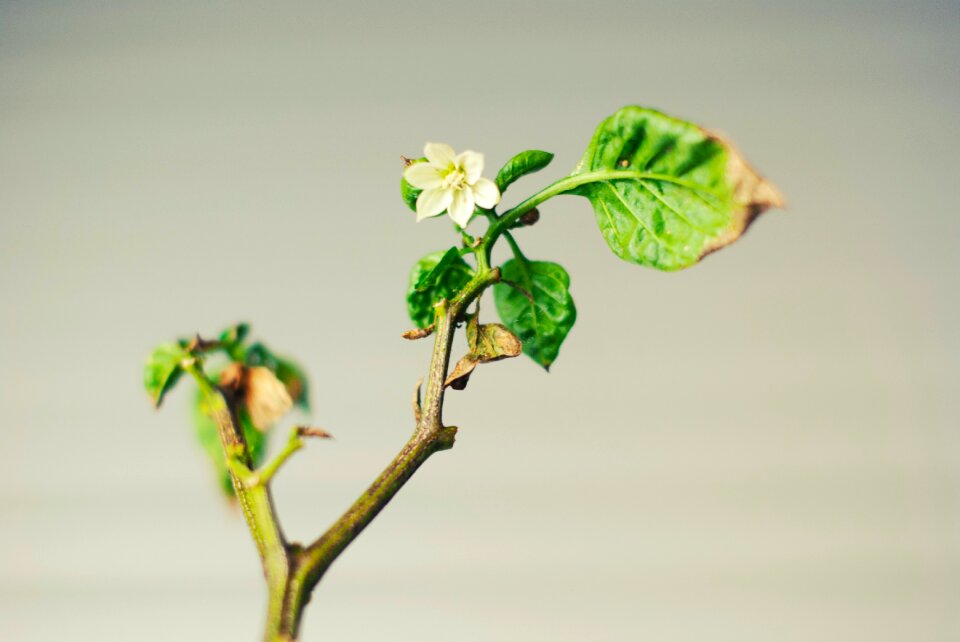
x=761, y=448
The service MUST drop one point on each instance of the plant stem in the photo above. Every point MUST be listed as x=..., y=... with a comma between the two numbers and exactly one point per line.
x=254, y=499
x=292, y=571
x=571, y=182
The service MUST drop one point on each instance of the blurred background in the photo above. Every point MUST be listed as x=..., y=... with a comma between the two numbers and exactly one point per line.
x=763, y=447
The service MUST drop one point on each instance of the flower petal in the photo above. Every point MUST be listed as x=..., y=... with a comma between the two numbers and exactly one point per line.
x=461, y=209
x=432, y=202
x=472, y=164
x=486, y=193
x=423, y=176
x=440, y=156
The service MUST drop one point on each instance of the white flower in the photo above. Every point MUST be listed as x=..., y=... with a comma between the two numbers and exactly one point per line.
x=451, y=182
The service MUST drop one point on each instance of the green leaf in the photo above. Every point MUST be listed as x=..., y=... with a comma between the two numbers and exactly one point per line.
x=208, y=437
x=260, y=355
x=543, y=319
x=163, y=370
x=408, y=192
x=666, y=192
x=294, y=378
x=431, y=278
x=523, y=163
x=444, y=284
x=235, y=334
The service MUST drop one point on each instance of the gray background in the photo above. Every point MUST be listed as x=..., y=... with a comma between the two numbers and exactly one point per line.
x=762, y=448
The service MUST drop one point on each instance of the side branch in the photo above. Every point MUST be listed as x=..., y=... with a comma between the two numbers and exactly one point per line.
x=429, y=437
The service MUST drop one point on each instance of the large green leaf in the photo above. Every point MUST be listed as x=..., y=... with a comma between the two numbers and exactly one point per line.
x=666, y=192
x=427, y=286
x=163, y=370
x=532, y=160
x=542, y=313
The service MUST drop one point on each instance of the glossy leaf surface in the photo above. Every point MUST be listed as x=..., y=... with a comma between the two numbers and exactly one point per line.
x=427, y=286
x=543, y=319
x=666, y=192
x=527, y=162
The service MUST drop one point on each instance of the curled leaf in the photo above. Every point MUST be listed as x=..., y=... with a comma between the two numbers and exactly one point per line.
x=418, y=333
x=287, y=371
x=488, y=342
x=265, y=398
x=532, y=160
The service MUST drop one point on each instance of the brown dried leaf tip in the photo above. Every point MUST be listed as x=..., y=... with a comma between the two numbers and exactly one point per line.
x=488, y=343
x=264, y=396
x=752, y=194
x=312, y=431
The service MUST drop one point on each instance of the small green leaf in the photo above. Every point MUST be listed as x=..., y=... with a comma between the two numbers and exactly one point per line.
x=163, y=370
x=431, y=278
x=445, y=284
x=542, y=319
x=523, y=163
x=666, y=192
x=235, y=334
x=408, y=192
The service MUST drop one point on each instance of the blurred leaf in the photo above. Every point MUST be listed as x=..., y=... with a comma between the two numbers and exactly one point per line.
x=235, y=334
x=523, y=163
x=163, y=370
x=430, y=279
x=260, y=355
x=667, y=192
x=408, y=192
x=444, y=284
x=543, y=319
x=295, y=379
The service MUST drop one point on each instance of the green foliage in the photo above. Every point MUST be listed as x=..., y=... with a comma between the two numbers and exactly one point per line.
x=436, y=276
x=163, y=370
x=429, y=280
x=523, y=163
x=542, y=319
x=678, y=201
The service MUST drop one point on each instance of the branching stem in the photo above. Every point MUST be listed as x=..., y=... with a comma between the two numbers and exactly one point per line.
x=291, y=570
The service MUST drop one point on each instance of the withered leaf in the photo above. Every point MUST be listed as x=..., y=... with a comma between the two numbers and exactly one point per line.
x=488, y=342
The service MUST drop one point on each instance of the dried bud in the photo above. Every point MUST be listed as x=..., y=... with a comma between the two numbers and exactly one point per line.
x=264, y=396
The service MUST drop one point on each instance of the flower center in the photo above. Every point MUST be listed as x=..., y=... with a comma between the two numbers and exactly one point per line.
x=456, y=178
